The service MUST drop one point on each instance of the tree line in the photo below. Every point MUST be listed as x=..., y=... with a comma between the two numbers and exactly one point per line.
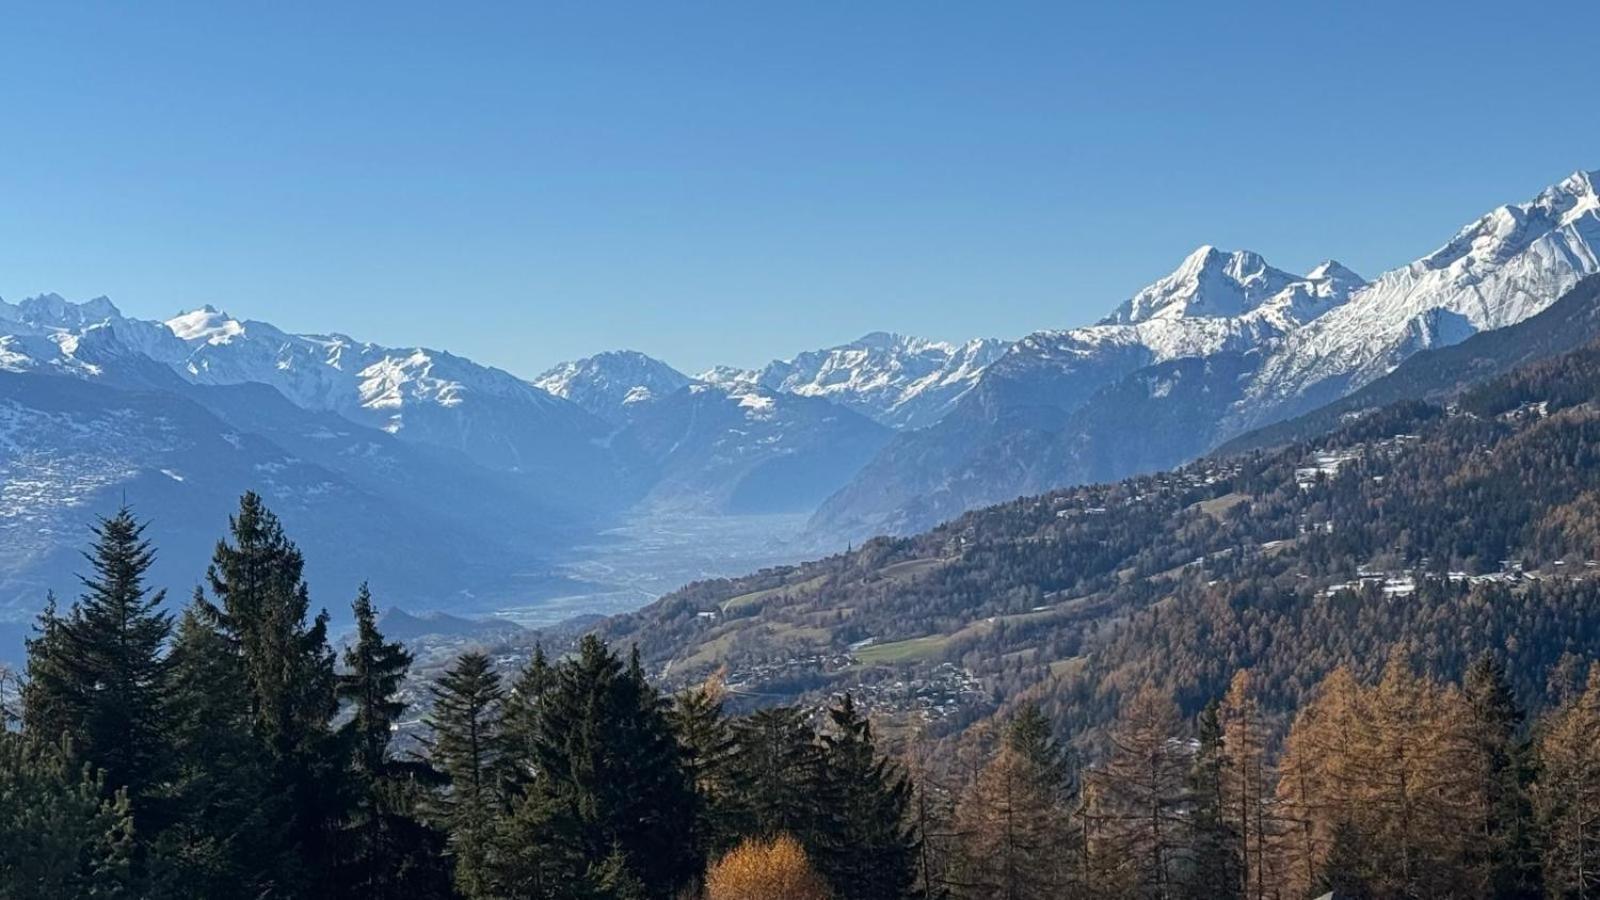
x=229, y=751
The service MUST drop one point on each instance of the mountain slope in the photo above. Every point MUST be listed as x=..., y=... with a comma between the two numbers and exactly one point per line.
x=750, y=450
x=1445, y=532
x=1570, y=322
x=1508, y=265
x=71, y=448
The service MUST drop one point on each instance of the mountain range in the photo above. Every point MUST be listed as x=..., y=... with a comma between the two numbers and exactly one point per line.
x=1223, y=345
x=476, y=477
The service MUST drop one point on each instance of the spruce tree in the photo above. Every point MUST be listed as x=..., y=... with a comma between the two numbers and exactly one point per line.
x=607, y=757
x=523, y=707
x=1032, y=735
x=870, y=848
x=389, y=853
x=1505, y=857
x=709, y=752
x=468, y=749
x=778, y=775
x=288, y=669
x=222, y=841
x=101, y=672
x=1215, y=847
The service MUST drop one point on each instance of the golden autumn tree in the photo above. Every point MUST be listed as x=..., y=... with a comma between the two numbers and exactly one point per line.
x=775, y=869
x=1567, y=794
x=1139, y=798
x=1244, y=782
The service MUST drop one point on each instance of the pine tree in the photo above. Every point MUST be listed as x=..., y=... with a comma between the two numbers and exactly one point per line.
x=288, y=668
x=390, y=853
x=870, y=849
x=607, y=756
x=468, y=748
x=709, y=752
x=1216, y=871
x=1504, y=860
x=62, y=832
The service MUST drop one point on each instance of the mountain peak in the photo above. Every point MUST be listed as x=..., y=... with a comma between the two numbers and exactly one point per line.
x=54, y=311
x=205, y=325
x=607, y=384
x=1209, y=283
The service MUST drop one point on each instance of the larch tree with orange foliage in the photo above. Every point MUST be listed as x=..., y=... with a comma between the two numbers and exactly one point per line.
x=775, y=869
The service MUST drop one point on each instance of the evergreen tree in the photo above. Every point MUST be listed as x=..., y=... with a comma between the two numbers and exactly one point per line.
x=1033, y=736
x=100, y=673
x=115, y=642
x=1507, y=866
x=709, y=754
x=390, y=853
x=523, y=707
x=288, y=669
x=1216, y=872
x=870, y=849
x=779, y=777
x=62, y=833
x=222, y=841
x=49, y=706
x=607, y=756
x=468, y=748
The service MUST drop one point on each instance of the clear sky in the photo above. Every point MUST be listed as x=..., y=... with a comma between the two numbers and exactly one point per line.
x=709, y=183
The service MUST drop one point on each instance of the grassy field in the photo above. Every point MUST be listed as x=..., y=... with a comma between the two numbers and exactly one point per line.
x=904, y=651
x=782, y=591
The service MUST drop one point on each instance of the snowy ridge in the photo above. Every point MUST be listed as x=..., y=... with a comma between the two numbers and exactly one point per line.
x=901, y=381
x=1214, y=302
x=1508, y=265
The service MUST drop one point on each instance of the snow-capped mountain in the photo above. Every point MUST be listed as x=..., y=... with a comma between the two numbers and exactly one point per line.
x=614, y=384
x=903, y=382
x=1508, y=265
x=419, y=395
x=416, y=393
x=1058, y=406
x=361, y=503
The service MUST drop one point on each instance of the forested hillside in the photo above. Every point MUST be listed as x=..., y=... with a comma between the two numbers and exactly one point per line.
x=1448, y=530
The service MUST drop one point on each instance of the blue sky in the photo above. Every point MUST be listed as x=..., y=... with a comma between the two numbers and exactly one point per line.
x=711, y=183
